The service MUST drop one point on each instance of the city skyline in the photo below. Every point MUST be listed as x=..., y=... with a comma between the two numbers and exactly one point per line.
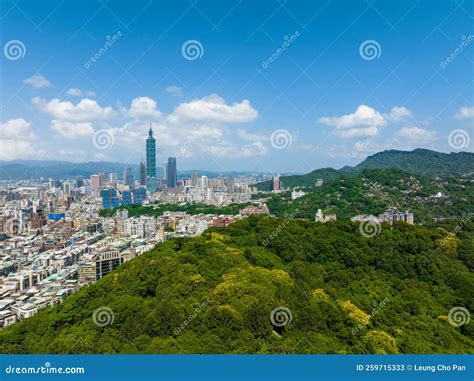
x=264, y=95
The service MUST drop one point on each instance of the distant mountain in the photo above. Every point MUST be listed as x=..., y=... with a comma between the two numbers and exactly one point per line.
x=421, y=162
x=35, y=169
x=302, y=181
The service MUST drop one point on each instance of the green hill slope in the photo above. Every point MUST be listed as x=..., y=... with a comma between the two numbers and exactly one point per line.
x=333, y=290
x=422, y=162
x=373, y=190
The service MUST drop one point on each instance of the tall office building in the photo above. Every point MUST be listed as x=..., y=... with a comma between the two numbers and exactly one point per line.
x=172, y=173
x=165, y=169
x=142, y=173
x=95, y=184
x=113, y=178
x=151, y=161
x=102, y=179
x=276, y=183
x=195, y=179
x=128, y=177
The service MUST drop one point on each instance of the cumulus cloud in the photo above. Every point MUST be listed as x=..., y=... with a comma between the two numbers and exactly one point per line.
x=416, y=134
x=84, y=111
x=465, y=113
x=398, y=114
x=16, y=128
x=231, y=151
x=71, y=130
x=75, y=92
x=365, y=121
x=37, y=81
x=17, y=140
x=249, y=136
x=144, y=108
x=214, y=108
x=174, y=90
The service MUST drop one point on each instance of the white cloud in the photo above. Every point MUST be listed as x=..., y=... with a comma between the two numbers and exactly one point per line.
x=75, y=92
x=248, y=136
x=465, y=113
x=17, y=140
x=15, y=128
x=398, y=114
x=365, y=121
x=213, y=108
x=37, y=81
x=174, y=90
x=84, y=111
x=416, y=134
x=144, y=108
x=71, y=130
x=19, y=149
x=230, y=151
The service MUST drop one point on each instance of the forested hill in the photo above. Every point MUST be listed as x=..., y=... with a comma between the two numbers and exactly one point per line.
x=268, y=285
x=421, y=162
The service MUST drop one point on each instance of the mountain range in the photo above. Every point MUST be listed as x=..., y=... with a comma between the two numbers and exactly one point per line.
x=421, y=162
x=35, y=169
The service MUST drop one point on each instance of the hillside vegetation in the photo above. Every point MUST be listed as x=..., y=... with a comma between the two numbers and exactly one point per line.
x=215, y=294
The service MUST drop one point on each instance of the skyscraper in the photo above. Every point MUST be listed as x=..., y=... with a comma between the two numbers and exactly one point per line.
x=172, y=173
x=128, y=177
x=142, y=173
x=150, y=162
x=94, y=184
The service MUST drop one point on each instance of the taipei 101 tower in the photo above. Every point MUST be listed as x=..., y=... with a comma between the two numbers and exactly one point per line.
x=150, y=162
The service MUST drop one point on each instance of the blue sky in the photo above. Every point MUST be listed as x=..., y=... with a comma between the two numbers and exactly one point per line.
x=264, y=85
